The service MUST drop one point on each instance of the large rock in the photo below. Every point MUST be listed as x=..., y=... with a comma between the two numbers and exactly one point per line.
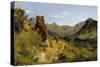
x=40, y=27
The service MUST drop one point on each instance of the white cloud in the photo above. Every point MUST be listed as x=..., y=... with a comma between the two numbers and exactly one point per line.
x=61, y=15
x=56, y=16
x=60, y=23
x=29, y=11
x=65, y=13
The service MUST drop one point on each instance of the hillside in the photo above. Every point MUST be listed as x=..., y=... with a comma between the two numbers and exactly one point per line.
x=40, y=43
x=86, y=35
x=89, y=25
x=60, y=31
x=65, y=30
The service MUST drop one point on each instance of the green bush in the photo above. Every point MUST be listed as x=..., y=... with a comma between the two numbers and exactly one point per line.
x=27, y=44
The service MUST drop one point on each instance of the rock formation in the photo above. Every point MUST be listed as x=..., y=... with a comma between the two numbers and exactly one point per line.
x=40, y=27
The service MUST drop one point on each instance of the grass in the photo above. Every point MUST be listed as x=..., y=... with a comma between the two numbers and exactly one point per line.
x=26, y=45
x=88, y=35
x=28, y=50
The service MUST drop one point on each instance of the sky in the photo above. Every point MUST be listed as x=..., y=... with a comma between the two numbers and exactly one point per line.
x=61, y=14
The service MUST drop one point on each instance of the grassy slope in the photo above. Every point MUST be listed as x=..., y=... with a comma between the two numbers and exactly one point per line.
x=28, y=50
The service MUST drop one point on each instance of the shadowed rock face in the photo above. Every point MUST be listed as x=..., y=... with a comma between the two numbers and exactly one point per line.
x=89, y=25
x=40, y=27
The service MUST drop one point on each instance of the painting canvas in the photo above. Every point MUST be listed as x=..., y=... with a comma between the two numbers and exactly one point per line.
x=47, y=33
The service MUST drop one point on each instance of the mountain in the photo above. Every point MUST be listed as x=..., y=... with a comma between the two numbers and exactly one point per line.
x=85, y=26
x=77, y=27
x=89, y=25
x=65, y=30
x=85, y=35
x=60, y=31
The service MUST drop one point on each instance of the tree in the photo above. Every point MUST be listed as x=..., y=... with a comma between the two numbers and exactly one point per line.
x=19, y=17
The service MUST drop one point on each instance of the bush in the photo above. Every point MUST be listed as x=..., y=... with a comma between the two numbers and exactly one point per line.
x=27, y=44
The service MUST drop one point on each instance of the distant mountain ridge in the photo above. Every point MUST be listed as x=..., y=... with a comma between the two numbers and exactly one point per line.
x=63, y=31
x=89, y=24
x=70, y=31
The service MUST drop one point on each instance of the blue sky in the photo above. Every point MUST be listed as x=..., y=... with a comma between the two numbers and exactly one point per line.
x=62, y=14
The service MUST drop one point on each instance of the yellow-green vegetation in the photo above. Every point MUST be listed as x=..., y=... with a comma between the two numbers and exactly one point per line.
x=26, y=47
x=74, y=53
x=28, y=50
x=88, y=35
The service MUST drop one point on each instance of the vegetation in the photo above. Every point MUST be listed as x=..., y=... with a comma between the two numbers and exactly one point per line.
x=29, y=50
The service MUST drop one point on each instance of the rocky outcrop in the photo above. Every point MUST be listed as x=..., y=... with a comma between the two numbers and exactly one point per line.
x=40, y=27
